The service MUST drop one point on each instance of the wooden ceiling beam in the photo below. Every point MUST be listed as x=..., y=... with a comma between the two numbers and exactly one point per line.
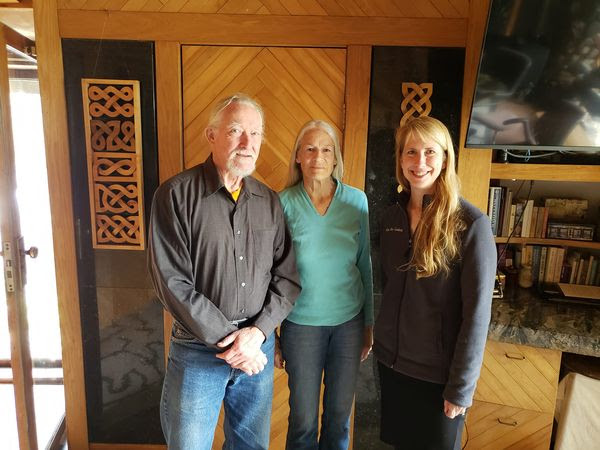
x=18, y=41
x=241, y=29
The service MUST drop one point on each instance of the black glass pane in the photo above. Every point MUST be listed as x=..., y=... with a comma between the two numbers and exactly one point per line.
x=122, y=322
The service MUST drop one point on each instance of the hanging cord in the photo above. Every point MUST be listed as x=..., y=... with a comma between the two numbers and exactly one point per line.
x=100, y=43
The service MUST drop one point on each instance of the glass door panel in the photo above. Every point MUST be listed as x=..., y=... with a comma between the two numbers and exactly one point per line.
x=36, y=227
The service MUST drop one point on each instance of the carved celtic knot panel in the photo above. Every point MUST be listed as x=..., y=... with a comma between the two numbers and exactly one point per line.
x=114, y=158
x=416, y=101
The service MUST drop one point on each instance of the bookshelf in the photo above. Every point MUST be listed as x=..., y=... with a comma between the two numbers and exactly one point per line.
x=478, y=173
x=577, y=260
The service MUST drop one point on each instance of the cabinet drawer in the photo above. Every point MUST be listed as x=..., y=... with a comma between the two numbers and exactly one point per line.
x=491, y=426
x=520, y=376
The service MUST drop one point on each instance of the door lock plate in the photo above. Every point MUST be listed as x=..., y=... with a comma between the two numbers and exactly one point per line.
x=9, y=273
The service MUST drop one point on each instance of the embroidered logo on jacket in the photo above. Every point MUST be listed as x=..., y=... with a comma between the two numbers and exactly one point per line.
x=398, y=230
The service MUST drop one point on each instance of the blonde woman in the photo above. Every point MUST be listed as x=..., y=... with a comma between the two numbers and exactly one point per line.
x=438, y=259
x=329, y=330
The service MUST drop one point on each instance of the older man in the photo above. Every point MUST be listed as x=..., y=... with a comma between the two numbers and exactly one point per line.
x=222, y=263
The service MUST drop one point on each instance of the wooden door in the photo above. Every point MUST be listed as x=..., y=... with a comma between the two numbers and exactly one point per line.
x=293, y=85
x=13, y=274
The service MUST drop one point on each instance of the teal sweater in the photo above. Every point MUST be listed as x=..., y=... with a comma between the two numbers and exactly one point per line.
x=333, y=255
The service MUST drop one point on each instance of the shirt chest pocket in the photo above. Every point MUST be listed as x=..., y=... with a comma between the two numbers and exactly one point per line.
x=263, y=248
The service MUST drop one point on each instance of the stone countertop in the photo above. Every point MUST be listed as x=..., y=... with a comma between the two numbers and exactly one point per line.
x=523, y=317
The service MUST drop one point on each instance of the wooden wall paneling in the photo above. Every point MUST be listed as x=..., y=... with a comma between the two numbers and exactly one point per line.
x=356, y=123
x=12, y=258
x=169, y=126
x=54, y=113
x=474, y=165
x=380, y=8
x=282, y=79
x=237, y=29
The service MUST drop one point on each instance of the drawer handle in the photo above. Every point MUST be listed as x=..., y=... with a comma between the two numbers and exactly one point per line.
x=509, y=422
x=515, y=356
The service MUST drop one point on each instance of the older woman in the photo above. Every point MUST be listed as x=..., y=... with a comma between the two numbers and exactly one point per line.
x=438, y=258
x=329, y=330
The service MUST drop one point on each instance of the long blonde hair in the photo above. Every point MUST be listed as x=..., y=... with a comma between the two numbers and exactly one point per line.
x=436, y=241
x=295, y=173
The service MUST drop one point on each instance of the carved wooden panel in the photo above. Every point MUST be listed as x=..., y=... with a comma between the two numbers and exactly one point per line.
x=416, y=101
x=113, y=134
x=293, y=85
x=344, y=8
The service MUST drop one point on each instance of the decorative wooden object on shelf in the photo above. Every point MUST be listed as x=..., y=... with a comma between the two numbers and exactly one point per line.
x=114, y=157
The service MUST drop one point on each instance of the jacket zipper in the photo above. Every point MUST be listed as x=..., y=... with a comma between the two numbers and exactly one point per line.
x=396, y=345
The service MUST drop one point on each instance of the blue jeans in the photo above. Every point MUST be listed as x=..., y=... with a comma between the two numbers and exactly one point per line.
x=197, y=382
x=308, y=352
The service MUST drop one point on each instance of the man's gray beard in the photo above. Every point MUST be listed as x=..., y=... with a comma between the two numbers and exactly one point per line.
x=237, y=171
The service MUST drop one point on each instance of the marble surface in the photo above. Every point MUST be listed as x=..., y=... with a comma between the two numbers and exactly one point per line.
x=523, y=317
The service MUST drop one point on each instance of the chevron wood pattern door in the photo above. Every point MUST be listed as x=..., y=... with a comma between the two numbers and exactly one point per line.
x=293, y=85
x=519, y=376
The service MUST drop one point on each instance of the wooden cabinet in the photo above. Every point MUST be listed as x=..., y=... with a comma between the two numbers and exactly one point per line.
x=493, y=426
x=514, y=403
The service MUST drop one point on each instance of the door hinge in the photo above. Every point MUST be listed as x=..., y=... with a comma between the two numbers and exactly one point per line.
x=9, y=270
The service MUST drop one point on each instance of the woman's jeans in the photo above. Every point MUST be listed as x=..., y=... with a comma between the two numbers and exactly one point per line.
x=308, y=352
x=197, y=382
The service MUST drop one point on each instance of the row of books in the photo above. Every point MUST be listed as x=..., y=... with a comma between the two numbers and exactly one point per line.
x=519, y=219
x=556, y=265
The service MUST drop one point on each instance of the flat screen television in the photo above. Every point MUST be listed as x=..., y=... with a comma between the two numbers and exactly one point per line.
x=538, y=85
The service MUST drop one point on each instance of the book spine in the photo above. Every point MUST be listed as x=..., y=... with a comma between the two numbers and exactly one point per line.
x=511, y=220
x=539, y=222
x=565, y=273
x=588, y=275
x=533, y=224
x=542, y=270
x=518, y=219
x=560, y=256
x=527, y=218
x=582, y=271
x=574, y=262
x=550, y=263
x=535, y=263
x=593, y=272
x=494, y=208
x=507, y=213
x=545, y=222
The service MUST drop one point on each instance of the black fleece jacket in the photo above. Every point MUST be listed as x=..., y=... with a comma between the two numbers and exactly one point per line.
x=435, y=328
